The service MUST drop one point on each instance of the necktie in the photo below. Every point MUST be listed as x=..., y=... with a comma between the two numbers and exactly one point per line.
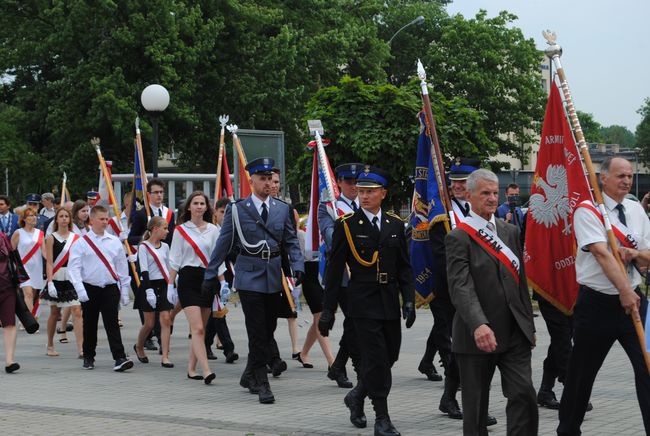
x=375, y=225
x=354, y=206
x=265, y=212
x=5, y=226
x=467, y=209
x=160, y=212
x=621, y=215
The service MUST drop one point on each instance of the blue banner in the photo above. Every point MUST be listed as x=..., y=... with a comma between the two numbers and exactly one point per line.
x=426, y=209
x=139, y=183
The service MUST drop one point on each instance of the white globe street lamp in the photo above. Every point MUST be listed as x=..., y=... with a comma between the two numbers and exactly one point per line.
x=155, y=100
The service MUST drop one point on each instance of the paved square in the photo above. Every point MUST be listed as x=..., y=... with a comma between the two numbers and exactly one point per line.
x=54, y=396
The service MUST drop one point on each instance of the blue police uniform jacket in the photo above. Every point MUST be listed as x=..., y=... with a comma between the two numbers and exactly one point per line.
x=253, y=273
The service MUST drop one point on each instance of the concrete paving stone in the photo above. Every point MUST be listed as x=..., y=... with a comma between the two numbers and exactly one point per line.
x=55, y=396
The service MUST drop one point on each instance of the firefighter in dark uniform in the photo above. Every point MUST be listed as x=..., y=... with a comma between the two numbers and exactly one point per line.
x=372, y=244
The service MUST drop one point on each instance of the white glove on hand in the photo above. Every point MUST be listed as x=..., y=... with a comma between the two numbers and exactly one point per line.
x=51, y=290
x=151, y=298
x=125, y=298
x=295, y=293
x=225, y=292
x=132, y=258
x=82, y=295
x=172, y=294
x=124, y=235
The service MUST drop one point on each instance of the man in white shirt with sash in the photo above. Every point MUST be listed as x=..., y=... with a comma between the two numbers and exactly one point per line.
x=607, y=295
x=99, y=273
x=493, y=326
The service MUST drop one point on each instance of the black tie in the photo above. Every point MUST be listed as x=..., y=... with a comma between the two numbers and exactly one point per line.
x=466, y=208
x=160, y=212
x=265, y=212
x=354, y=206
x=621, y=215
x=375, y=225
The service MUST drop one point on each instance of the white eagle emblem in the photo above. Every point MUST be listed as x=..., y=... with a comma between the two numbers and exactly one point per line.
x=554, y=206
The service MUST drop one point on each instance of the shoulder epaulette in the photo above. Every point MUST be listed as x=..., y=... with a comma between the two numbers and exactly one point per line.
x=394, y=215
x=280, y=200
x=346, y=216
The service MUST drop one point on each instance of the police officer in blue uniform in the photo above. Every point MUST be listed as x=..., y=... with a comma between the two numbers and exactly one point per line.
x=373, y=245
x=260, y=228
x=33, y=202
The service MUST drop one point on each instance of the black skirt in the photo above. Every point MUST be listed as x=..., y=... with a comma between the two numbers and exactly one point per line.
x=160, y=289
x=189, y=288
x=312, y=289
x=65, y=292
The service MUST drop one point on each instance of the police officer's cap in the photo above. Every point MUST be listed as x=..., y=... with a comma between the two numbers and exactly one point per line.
x=372, y=177
x=262, y=165
x=33, y=198
x=348, y=170
x=92, y=194
x=463, y=167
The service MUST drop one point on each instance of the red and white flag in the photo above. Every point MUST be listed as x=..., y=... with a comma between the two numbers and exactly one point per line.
x=559, y=185
x=103, y=198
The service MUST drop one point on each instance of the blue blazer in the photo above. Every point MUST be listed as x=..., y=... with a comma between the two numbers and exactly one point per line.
x=254, y=273
x=12, y=225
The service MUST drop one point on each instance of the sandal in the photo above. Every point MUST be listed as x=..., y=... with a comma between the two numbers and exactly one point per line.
x=63, y=340
x=51, y=352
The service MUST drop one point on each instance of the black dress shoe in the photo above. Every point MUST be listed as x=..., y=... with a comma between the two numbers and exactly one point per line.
x=338, y=375
x=210, y=355
x=430, y=372
x=231, y=356
x=491, y=420
x=144, y=359
x=304, y=364
x=149, y=345
x=278, y=367
x=195, y=377
x=247, y=381
x=383, y=427
x=166, y=364
x=546, y=398
x=450, y=407
x=208, y=378
x=12, y=368
x=357, y=416
x=264, y=393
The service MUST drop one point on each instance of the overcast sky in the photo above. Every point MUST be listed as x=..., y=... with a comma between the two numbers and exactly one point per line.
x=606, y=49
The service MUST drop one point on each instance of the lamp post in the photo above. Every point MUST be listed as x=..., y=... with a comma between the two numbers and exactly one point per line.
x=155, y=100
x=636, y=170
x=419, y=20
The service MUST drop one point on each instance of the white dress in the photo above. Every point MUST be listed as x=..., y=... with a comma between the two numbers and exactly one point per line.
x=34, y=265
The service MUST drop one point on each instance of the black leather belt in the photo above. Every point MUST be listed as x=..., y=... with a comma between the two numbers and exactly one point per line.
x=381, y=278
x=264, y=254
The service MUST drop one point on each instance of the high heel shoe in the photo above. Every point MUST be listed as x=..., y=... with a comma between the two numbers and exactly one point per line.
x=195, y=377
x=144, y=359
x=304, y=364
x=208, y=378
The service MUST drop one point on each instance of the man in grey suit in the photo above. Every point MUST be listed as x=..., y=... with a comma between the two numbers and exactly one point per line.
x=493, y=326
x=260, y=228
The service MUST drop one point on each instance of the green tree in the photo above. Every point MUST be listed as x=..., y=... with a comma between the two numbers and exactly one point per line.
x=377, y=123
x=590, y=128
x=643, y=130
x=616, y=134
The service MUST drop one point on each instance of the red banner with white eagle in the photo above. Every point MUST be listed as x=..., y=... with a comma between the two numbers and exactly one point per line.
x=559, y=185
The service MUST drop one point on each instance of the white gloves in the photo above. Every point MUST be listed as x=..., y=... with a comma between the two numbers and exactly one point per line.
x=295, y=293
x=132, y=258
x=151, y=298
x=124, y=235
x=51, y=290
x=125, y=297
x=172, y=294
x=82, y=295
x=225, y=291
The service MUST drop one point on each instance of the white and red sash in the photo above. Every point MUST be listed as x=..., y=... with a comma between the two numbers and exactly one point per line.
x=491, y=243
x=200, y=254
x=623, y=234
x=37, y=237
x=63, y=256
x=458, y=213
x=99, y=254
x=161, y=265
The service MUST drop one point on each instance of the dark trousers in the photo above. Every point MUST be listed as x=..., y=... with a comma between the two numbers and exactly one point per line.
x=476, y=372
x=598, y=321
x=218, y=327
x=260, y=312
x=105, y=301
x=348, y=345
x=440, y=335
x=379, y=342
x=560, y=329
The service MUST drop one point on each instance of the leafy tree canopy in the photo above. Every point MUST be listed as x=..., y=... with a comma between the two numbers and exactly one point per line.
x=616, y=134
